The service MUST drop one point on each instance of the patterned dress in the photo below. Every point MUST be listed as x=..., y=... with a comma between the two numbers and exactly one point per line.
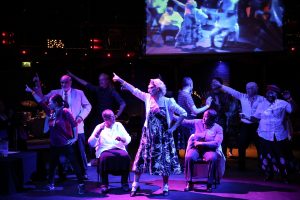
x=157, y=153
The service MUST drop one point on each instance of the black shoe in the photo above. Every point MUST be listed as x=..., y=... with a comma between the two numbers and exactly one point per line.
x=125, y=187
x=284, y=179
x=49, y=187
x=62, y=178
x=81, y=189
x=104, y=189
x=133, y=193
x=189, y=187
x=85, y=177
x=166, y=192
x=209, y=187
x=268, y=178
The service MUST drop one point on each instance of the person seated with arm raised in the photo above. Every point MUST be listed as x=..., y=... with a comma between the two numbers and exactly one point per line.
x=110, y=140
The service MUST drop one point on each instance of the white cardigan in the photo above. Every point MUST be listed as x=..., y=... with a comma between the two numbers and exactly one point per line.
x=107, y=139
x=170, y=104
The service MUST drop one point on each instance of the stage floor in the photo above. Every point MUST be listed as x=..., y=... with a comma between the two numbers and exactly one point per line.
x=235, y=184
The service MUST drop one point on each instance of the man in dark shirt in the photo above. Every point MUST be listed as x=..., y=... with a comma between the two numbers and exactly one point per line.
x=106, y=95
x=106, y=98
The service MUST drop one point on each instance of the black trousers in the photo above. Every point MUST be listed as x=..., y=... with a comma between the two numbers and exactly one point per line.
x=116, y=162
x=248, y=134
x=67, y=151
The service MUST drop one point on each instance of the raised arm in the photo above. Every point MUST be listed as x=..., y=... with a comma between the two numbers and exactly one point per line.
x=95, y=136
x=37, y=97
x=182, y=5
x=127, y=86
x=236, y=94
x=202, y=109
x=292, y=107
x=79, y=80
x=124, y=84
x=37, y=85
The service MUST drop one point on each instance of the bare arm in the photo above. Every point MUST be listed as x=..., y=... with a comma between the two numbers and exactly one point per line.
x=202, y=109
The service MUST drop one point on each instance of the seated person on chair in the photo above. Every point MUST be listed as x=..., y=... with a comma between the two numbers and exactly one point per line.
x=110, y=139
x=204, y=144
x=170, y=23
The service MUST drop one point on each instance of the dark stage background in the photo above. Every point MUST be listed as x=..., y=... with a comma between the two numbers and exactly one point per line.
x=120, y=25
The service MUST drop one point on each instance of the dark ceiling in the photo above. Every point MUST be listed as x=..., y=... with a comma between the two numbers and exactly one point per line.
x=76, y=21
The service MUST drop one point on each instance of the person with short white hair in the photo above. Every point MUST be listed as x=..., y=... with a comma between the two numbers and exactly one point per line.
x=249, y=103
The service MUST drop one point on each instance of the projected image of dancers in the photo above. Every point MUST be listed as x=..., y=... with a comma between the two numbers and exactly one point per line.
x=213, y=26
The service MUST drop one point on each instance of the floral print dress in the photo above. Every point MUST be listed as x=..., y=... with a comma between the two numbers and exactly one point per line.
x=157, y=153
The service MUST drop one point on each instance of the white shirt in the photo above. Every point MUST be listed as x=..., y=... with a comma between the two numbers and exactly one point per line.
x=107, y=139
x=69, y=96
x=248, y=107
x=273, y=119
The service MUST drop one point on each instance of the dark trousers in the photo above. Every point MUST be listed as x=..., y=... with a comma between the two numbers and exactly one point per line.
x=274, y=155
x=248, y=134
x=68, y=152
x=116, y=162
x=192, y=155
x=80, y=152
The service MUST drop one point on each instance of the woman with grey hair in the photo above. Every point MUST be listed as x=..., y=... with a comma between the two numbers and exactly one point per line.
x=157, y=153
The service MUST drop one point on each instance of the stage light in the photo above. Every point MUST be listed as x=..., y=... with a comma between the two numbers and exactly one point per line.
x=96, y=44
x=108, y=55
x=130, y=54
x=24, y=52
x=55, y=43
x=7, y=38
